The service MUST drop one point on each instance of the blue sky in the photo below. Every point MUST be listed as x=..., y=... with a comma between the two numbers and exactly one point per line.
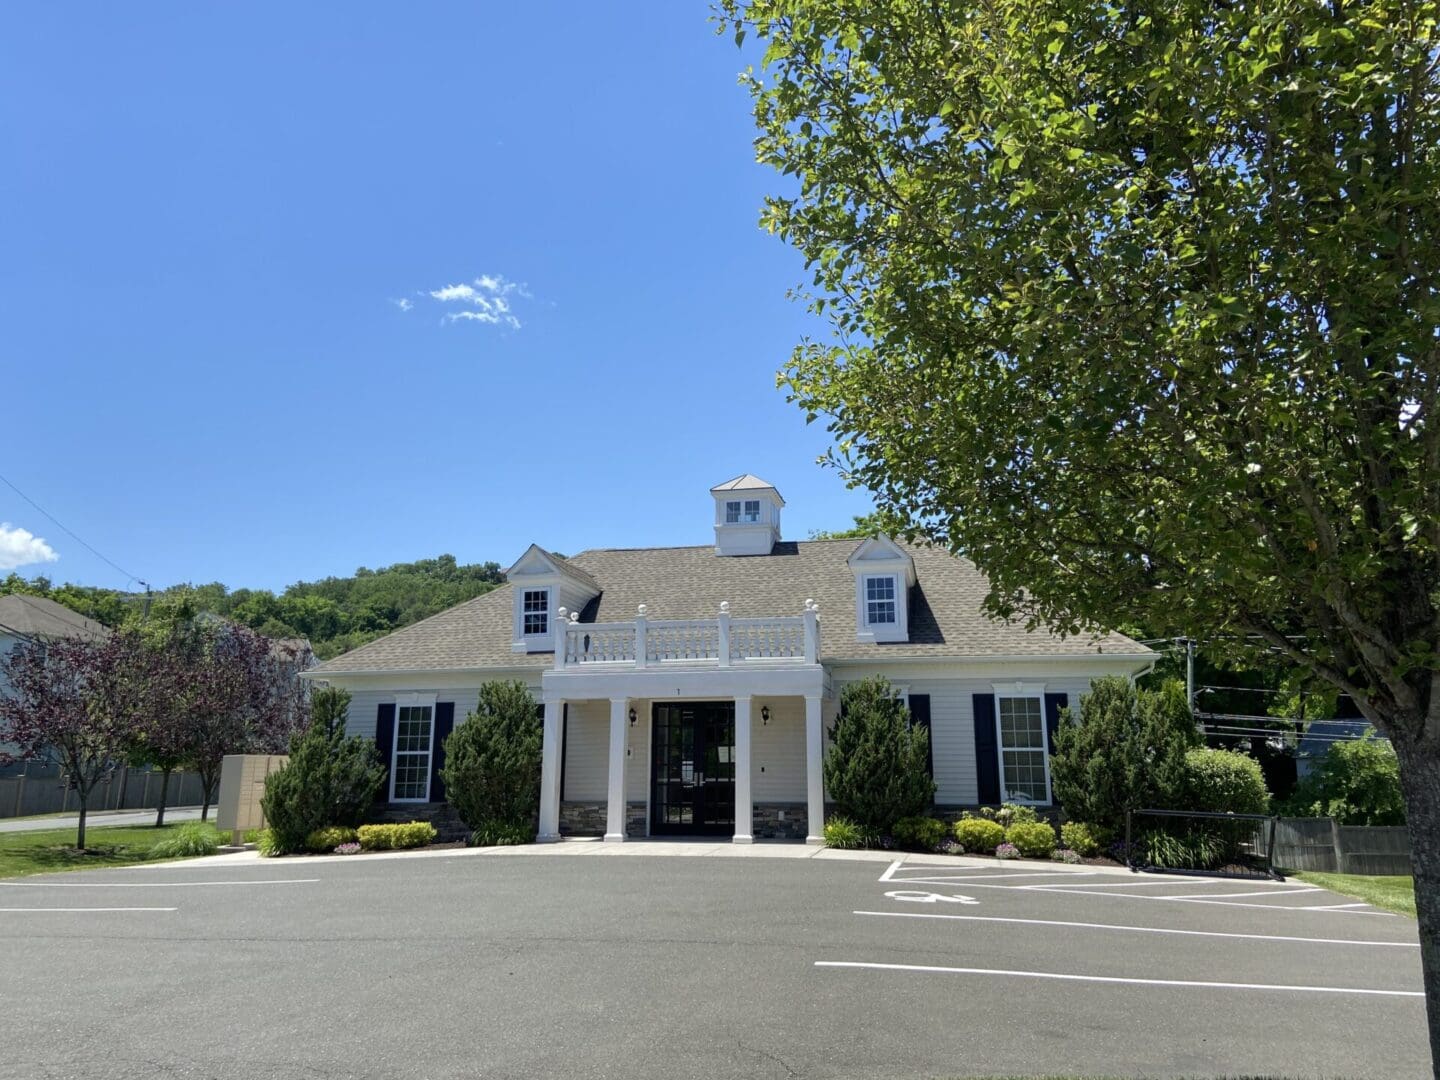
x=216, y=214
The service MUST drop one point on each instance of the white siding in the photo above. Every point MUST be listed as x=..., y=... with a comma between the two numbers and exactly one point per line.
x=587, y=749
x=952, y=724
x=777, y=751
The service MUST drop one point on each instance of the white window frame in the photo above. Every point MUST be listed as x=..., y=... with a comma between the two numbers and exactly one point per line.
x=738, y=507
x=412, y=701
x=545, y=634
x=1016, y=693
x=745, y=512
x=894, y=600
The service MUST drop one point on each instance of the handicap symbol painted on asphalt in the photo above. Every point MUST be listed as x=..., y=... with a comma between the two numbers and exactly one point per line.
x=930, y=897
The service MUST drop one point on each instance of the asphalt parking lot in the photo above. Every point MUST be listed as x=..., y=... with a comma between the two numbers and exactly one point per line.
x=551, y=965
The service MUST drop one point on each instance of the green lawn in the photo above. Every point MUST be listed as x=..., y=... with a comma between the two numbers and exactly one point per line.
x=45, y=851
x=1390, y=893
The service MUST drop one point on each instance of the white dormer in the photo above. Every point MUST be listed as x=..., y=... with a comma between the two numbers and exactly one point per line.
x=884, y=574
x=543, y=583
x=747, y=516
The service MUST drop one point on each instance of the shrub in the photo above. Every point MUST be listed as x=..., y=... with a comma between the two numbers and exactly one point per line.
x=329, y=838
x=1007, y=851
x=1033, y=839
x=329, y=780
x=1187, y=849
x=1356, y=783
x=1015, y=814
x=1066, y=855
x=978, y=835
x=876, y=765
x=266, y=845
x=351, y=848
x=1225, y=782
x=920, y=833
x=501, y=834
x=411, y=834
x=191, y=839
x=492, y=760
x=1078, y=837
x=1127, y=752
x=843, y=833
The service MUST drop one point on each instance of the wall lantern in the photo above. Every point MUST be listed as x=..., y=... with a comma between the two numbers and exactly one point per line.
x=632, y=717
x=764, y=715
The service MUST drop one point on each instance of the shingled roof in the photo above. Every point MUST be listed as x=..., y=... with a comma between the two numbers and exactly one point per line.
x=38, y=617
x=946, y=620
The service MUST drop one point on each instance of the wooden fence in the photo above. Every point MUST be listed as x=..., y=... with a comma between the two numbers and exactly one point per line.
x=1325, y=845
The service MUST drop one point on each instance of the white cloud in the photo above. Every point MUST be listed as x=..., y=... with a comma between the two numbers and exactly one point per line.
x=20, y=547
x=403, y=304
x=485, y=300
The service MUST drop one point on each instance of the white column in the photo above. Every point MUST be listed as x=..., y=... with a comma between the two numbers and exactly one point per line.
x=814, y=773
x=723, y=626
x=744, y=808
x=812, y=632
x=550, y=773
x=615, y=808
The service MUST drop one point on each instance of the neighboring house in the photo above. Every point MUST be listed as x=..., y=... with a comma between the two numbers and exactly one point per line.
x=34, y=618
x=1321, y=735
x=688, y=690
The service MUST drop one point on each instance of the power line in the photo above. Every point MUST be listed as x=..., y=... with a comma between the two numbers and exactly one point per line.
x=60, y=525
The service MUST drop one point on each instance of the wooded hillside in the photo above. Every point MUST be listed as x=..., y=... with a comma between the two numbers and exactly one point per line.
x=335, y=613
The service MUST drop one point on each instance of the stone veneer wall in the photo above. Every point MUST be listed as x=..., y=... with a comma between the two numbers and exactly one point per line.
x=588, y=818
x=767, y=823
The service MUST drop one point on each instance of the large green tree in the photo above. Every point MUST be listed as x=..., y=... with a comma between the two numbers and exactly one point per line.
x=1135, y=305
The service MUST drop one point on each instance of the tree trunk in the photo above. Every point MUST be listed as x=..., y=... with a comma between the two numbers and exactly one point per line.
x=164, y=789
x=1420, y=780
x=80, y=834
x=207, y=782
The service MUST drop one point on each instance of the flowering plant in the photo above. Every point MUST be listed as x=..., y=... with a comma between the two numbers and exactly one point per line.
x=1065, y=855
x=1007, y=851
x=350, y=848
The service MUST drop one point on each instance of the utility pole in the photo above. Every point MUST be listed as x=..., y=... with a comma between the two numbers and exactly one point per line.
x=1190, y=674
x=145, y=611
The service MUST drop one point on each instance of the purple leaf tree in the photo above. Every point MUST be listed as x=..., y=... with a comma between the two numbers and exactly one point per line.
x=239, y=691
x=73, y=702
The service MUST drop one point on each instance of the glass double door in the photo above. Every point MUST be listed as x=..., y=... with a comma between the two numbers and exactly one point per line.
x=693, y=768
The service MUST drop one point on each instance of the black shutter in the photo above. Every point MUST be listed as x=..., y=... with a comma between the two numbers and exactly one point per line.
x=987, y=750
x=444, y=724
x=920, y=717
x=385, y=743
x=1053, y=704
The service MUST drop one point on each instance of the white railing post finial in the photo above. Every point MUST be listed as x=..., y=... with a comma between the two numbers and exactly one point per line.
x=724, y=634
x=812, y=632
x=559, y=631
x=642, y=646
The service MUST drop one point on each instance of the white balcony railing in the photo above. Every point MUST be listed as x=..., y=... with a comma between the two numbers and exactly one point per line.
x=719, y=642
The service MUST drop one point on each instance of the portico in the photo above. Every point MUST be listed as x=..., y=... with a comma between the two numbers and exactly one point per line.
x=681, y=708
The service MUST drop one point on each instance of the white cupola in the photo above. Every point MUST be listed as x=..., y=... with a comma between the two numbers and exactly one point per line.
x=747, y=516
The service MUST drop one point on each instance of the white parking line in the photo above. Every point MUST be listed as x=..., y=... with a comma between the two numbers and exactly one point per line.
x=991, y=877
x=72, y=910
x=1082, y=890
x=929, y=969
x=1140, y=929
x=149, y=884
x=1143, y=884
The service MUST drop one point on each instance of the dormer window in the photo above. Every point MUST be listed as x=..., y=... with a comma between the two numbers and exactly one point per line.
x=541, y=584
x=535, y=612
x=880, y=600
x=884, y=576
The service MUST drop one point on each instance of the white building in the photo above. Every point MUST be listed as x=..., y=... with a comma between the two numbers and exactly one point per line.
x=689, y=690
